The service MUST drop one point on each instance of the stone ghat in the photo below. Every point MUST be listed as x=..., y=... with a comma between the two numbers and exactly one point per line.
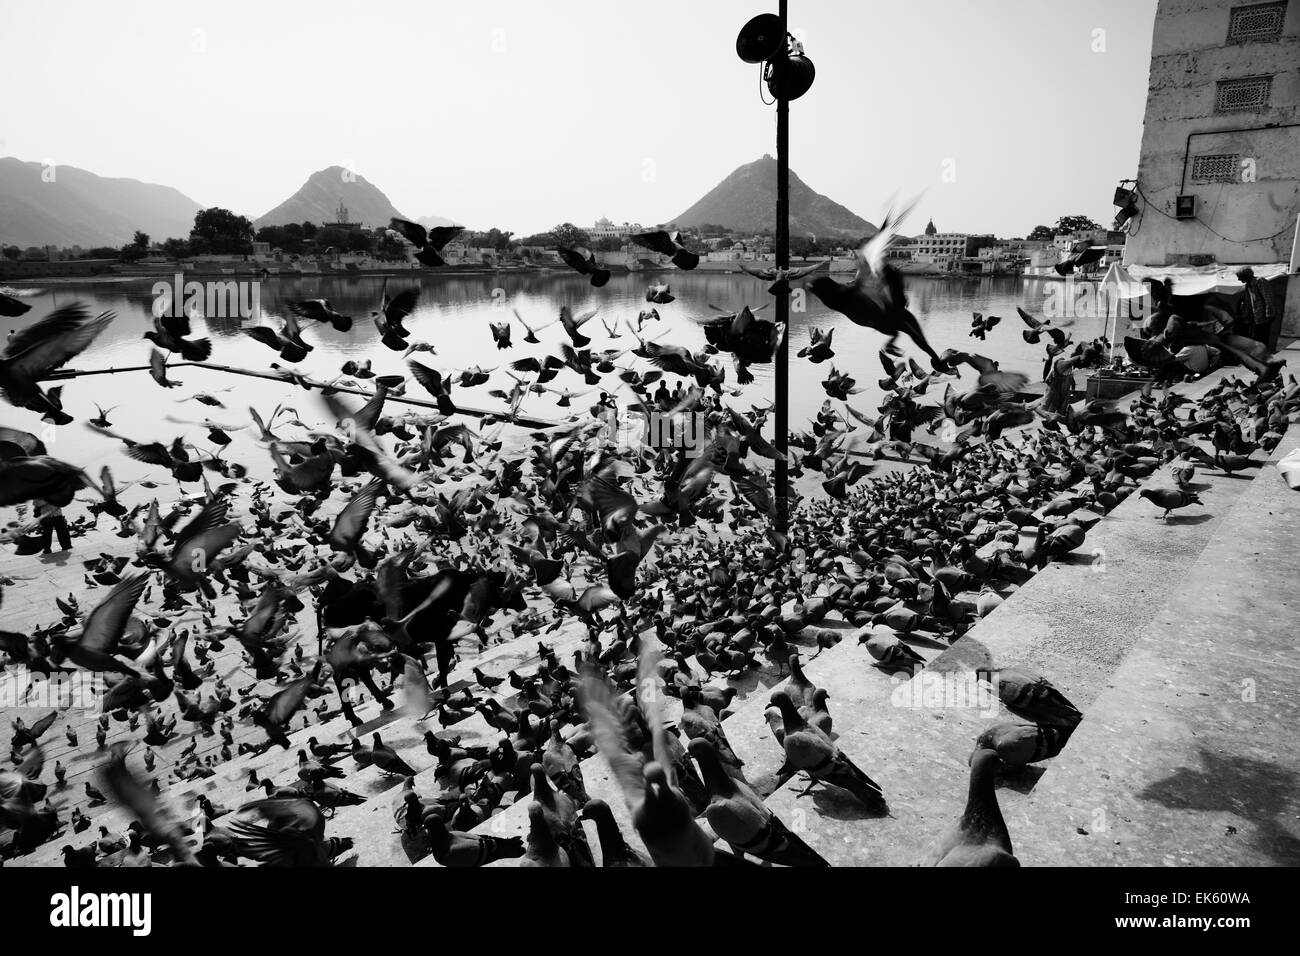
x=1153, y=633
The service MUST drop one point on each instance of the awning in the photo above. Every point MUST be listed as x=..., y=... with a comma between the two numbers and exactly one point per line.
x=1197, y=280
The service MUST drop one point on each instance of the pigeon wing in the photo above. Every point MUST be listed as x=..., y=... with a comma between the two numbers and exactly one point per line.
x=48, y=344
x=439, y=236
x=105, y=624
x=351, y=522
x=402, y=304
x=413, y=231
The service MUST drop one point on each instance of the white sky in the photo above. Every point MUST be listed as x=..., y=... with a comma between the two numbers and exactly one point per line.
x=525, y=114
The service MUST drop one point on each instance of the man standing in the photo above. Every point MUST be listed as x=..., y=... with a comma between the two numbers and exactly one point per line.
x=52, y=522
x=1256, y=308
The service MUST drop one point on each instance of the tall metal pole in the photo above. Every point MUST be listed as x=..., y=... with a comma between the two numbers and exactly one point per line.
x=782, y=262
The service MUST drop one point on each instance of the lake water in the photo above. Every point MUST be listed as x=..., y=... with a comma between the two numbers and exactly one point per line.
x=453, y=315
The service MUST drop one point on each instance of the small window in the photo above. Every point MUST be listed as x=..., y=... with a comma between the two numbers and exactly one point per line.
x=1260, y=21
x=1216, y=168
x=1248, y=93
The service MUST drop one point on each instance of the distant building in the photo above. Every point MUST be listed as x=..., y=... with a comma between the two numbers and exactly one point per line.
x=941, y=251
x=1004, y=255
x=604, y=229
x=1219, y=170
x=939, y=247
x=453, y=251
x=1042, y=261
x=1094, y=237
x=341, y=219
x=1021, y=248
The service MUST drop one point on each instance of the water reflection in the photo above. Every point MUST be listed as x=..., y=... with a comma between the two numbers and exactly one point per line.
x=454, y=312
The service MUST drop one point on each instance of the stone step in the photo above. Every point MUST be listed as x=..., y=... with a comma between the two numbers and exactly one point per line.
x=1074, y=629
x=1188, y=755
x=1073, y=622
x=29, y=603
x=747, y=729
x=226, y=787
x=360, y=821
x=372, y=826
x=83, y=763
x=754, y=685
x=598, y=779
x=909, y=751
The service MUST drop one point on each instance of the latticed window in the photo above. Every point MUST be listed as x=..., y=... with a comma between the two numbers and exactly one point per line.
x=1259, y=21
x=1248, y=93
x=1216, y=168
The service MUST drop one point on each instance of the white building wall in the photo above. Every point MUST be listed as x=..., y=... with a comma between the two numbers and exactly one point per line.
x=1238, y=221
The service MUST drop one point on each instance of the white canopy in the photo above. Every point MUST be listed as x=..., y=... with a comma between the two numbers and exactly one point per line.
x=1196, y=280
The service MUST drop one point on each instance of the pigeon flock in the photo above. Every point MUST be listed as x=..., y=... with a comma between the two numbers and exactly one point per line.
x=271, y=650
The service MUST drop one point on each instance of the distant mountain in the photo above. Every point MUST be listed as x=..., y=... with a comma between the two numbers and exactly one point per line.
x=746, y=201
x=428, y=222
x=318, y=201
x=80, y=208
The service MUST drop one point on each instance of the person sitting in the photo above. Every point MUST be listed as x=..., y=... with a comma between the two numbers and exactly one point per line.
x=1213, y=331
x=1198, y=359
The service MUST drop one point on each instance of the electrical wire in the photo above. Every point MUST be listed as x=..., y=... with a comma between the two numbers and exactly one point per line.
x=1207, y=226
x=762, y=68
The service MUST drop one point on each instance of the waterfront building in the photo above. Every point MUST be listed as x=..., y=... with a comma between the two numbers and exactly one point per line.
x=943, y=249
x=1004, y=255
x=935, y=251
x=1021, y=249
x=455, y=250
x=900, y=250
x=1042, y=261
x=603, y=228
